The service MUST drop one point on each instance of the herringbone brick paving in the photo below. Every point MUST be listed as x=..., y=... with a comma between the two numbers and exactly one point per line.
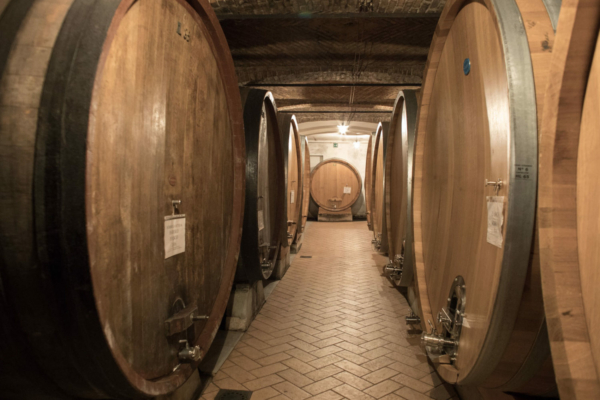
x=333, y=328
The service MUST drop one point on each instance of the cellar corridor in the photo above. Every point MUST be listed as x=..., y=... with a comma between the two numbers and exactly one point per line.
x=333, y=328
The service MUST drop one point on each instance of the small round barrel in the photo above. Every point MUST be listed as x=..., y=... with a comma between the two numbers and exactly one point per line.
x=477, y=258
x=568, y=201
x=122, y=180
x=293, y=175
x=265, y=203
x=378, y=220
x=335, y=185
x=398, y=188
x=305, y=182
x=368, y=179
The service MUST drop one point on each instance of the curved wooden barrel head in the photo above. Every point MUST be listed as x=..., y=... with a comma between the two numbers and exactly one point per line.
x=569, y=216
x=398, y=188
x=378, y=188
x=368, y=179
x=264, y=206
x=137, y=188
x=335, y=185
x=293, y=163
x=306, y=184
x=478, y=124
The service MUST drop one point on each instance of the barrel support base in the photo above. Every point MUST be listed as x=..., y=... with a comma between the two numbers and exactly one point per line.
x=335, y=216
x=283, y=263
x=297, y=245
x=245, y=301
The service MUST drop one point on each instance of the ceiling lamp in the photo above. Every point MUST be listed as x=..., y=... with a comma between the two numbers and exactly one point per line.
x=343, y=129
x=356, y=144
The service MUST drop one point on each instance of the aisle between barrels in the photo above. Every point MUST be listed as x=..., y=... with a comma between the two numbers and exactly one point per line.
x=333, y=328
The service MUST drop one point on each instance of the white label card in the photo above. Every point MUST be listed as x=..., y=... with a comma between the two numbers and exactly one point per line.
x=261, y=220
x=292, y=197
x=495, y=209
x=347, y=190
x=174, y=235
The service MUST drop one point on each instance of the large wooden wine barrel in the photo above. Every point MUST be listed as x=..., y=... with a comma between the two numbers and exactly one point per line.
x=398, y=188
x=265, y=203
x=293, y=175
x=335, y=185
x=477, y=262
x=368, y=179
x=305, y=182
x=122, y=180
x=568, y=205
x=378, y=220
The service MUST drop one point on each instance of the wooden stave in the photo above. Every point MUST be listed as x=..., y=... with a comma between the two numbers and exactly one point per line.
x=368, y=173
x=18, y=374
x=406, y=104
x=570, y=336
x=103, y=372
x=379, y=221
x=542, y=384
x=305, y=183
x=287, y=121
x=249, y=267
x=351, y=168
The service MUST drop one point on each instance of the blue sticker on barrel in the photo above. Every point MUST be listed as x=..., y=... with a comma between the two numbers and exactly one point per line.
x=467, y=66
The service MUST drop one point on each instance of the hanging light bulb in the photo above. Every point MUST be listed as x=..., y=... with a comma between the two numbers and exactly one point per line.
x=343, y=129
x=356, y=144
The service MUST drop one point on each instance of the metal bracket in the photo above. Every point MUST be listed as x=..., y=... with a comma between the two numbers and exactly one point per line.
x=176, y=204
x=183, y=320
x=376, y=242
x=497, y=185
x=189, y=354
x=443, y=347
x=412, y=319
x=394, y=268
x=265, y=265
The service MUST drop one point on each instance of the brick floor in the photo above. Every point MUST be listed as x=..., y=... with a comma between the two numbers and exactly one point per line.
x=333, y=328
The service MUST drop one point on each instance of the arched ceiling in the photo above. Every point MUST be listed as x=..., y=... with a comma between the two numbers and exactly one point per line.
x=331, y=127
x=327, y=60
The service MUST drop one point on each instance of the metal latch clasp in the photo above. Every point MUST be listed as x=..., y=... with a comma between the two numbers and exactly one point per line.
x=497, y=185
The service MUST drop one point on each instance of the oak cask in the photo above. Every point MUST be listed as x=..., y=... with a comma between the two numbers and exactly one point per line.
x=265, y=203
x=568, y=206
x=122, y=180
x=293, y=175
x=477, y=257
x=398, y=188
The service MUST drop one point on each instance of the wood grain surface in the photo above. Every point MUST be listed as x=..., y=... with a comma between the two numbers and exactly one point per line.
x=306, y=184
x=567, y=207
x=118, y=122
x=464, y=138
x=265, y=202
x=329, y=181
x=398, y=171
x=293, y=161
x=368, y=180
x=378, y=187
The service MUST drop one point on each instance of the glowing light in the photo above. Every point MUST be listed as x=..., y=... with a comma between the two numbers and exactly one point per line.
x=343, y=129
x=356, y=144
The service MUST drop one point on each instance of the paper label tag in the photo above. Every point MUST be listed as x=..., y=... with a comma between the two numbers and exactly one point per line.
x=292, y=197
x=495, y=209
x=261, y=220
x=347, y=190
x=174, y=235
